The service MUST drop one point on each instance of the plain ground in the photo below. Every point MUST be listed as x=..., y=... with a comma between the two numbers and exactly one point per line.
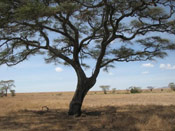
x=147, y=111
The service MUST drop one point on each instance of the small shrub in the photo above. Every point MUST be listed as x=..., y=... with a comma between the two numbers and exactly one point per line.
x=113, y=90
x=1, y=94
x=150, y=88
x=12, y=93
x=59, y=94
x=171, y=86
x=135, y=89
x=127, y=90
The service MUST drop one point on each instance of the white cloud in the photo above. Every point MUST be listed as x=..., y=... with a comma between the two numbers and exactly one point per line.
x=145, y=72
x=167, y=66
x=110, y=73
x=162, y=66
x=58, y=69
x=148, y=65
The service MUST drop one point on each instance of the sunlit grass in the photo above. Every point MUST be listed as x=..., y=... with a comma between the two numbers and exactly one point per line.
x=120, y=111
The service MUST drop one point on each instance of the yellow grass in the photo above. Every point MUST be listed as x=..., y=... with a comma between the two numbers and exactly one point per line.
x=121, y=111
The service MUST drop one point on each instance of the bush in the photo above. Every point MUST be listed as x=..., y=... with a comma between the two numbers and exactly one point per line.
x=12, y=93
x=113, y=90
x=135, y=89
x=171, y=86
x=150, y=88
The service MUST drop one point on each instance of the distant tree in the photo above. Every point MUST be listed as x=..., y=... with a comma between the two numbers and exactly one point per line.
x=128, y=90
x=105, y=88
x=1, y=93
x=171, y=86
x=72, y=32
x=6, y=85
x=12, y=93
x=2, y=89
x=150, y=88
x=134, y=89
x=113, y=90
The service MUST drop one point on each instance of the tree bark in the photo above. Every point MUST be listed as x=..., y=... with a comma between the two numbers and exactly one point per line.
x=83, y=86
x=5, y=93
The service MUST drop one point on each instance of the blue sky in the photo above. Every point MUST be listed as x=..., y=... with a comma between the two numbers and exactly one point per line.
x=36, y=76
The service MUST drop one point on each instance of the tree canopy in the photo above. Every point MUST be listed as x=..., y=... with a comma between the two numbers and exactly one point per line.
x=6, y=85
x=171, y=86
x=71, y=32
x=105, y=88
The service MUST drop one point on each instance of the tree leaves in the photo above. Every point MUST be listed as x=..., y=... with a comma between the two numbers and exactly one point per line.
x=156, y=42
x=136, y=24
x=6, y=85
x=122, y=52
x=32, y=10
x=74, y=31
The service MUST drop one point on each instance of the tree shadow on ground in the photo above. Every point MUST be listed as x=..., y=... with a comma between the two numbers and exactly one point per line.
x=121, y=118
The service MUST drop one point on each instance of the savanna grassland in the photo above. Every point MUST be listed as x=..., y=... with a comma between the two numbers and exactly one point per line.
x=147, y=111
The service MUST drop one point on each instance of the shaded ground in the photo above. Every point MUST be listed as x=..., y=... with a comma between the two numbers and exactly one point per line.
x=109, y=118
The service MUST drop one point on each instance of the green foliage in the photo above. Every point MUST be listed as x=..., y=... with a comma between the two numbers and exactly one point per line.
x=156, y=12
x=134, y=89
x=12, y=93
x=123, y=52
x=150, y=88
x=171, y=86
x=29, y=10
x=136, y=23
x=105, y=88
x=27, y=27
x=113, y=90
x=5, y=86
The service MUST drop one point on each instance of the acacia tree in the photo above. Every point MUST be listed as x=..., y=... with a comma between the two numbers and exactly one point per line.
x=71, y=32
x=150, y=88
x=1, y=89
x=171, y=86
x=6, y=85
x=105, y=88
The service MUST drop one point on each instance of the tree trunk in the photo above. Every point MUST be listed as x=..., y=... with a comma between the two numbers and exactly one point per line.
x=83, y=86
x=5, y=92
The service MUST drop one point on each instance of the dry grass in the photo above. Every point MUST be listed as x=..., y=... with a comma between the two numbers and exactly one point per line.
x=111, y=112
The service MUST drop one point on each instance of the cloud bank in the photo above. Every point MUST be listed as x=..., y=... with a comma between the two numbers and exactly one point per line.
x=167, y=66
